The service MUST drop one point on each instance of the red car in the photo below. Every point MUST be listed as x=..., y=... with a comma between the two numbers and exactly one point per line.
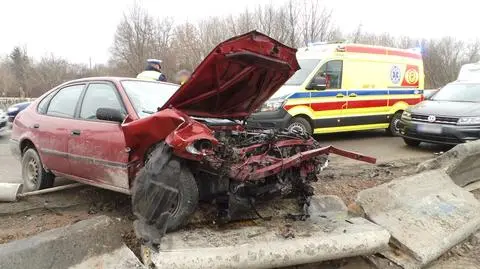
x=101, y=131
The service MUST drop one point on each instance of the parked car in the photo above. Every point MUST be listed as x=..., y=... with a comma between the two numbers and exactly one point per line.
x=451, y=116
x=13, y=110
x=192, y=140
x=3, y=121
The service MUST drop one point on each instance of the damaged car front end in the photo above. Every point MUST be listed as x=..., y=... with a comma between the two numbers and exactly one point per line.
x=197, y=146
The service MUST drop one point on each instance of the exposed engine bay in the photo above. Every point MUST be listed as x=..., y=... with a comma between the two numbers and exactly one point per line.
x=248, y=166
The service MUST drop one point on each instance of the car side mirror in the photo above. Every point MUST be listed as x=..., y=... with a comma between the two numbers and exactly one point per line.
x=318, y=83
x=109, y=114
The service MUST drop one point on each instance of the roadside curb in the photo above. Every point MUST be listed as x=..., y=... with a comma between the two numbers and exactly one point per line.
x=69, y=246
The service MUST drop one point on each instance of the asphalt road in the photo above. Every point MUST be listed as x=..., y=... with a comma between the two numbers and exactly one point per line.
x=372, y=143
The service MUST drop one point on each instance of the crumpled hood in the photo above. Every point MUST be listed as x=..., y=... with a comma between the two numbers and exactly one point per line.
x=236, y=78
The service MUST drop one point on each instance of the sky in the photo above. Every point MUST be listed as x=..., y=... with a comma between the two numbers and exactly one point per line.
x=80, y=30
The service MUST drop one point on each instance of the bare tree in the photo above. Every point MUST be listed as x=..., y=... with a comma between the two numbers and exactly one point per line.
x=317, y=22
x=135, y=40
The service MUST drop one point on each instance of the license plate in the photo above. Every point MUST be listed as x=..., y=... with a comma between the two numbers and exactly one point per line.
x=433, y=129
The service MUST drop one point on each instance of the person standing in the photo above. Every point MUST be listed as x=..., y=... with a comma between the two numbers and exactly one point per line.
x=182, y=76
x=153, y=71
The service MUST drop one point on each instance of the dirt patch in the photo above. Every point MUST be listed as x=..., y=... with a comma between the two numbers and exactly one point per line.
x=346, y=181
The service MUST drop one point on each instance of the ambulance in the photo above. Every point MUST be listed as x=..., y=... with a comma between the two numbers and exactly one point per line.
x=345, y=87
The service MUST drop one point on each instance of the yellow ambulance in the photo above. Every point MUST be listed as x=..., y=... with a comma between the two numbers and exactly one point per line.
x=345, y=87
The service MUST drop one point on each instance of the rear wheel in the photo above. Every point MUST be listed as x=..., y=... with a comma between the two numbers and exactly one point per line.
x=394, y=128
x=299, y=124
x=411, y=142
x=34, y=176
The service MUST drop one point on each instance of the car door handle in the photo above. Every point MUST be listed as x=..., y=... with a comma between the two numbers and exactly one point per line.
x=75, y=132
x=340, y=95
x=36, y=126
x=352, y=95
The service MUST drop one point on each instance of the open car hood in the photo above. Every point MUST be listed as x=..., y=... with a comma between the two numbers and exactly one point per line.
x=236, y=78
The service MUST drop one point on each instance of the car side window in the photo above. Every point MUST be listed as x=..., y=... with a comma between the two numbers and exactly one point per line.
x=331, y=73
x=99, y=95
x=64, y=102
x=42, y=105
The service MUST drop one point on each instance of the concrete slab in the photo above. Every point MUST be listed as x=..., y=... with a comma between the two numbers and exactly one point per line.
x=122, y=258
x=426, y=214
x=326, y=235
x=64, y=247
x=462, y=163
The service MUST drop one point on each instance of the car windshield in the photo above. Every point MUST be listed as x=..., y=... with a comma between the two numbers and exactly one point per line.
x=306, y=68
x=459, y=92
x=147, y=96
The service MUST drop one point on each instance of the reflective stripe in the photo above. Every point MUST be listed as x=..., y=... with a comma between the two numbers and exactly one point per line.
x=149, y=75
x=362, y=92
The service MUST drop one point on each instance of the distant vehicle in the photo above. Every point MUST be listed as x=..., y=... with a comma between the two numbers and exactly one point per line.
x=469, y=72
x=3, y=121
x=13, y=110
x=345, y=87
x=451, y=116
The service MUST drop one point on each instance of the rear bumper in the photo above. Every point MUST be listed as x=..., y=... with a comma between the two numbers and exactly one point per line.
x=450, y=134
x=269, y=120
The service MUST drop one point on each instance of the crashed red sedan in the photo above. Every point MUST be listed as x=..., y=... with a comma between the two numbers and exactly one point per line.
x=150, y=138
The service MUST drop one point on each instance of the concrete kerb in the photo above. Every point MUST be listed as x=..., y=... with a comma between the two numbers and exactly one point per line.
x=328, y=234
x=462, y=163
x=426, y=214
x=68, y=246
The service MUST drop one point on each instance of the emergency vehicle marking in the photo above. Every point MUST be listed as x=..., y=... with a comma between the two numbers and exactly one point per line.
x=328, y=100
x=395, y=74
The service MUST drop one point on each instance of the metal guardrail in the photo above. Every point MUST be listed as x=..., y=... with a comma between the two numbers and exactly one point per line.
x=5, y=102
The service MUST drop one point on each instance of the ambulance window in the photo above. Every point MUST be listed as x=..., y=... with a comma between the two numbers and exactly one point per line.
x=332, y=71
x=334, y=74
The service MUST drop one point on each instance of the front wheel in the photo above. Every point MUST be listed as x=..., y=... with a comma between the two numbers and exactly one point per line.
x=394, y=127
x=299, y=124
x=164, y=186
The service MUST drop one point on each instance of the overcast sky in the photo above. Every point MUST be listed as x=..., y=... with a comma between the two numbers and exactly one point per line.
x=80, y=29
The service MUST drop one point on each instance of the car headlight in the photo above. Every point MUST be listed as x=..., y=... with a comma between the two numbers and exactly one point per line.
x=469, y=121
x=272, y=105
x=406, y=115
x=12, y=109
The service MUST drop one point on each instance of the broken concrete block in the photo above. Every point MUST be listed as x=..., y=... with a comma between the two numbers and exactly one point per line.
x=426, y=214
x=462, y=163
x=69, y=246
x=328, y=234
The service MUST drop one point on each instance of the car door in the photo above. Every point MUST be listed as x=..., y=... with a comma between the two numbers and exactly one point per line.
x=328, y=105
x=56, y=118
x=97, y=149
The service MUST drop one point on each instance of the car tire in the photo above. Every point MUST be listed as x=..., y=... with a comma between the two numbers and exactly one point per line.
x=162, y=173
x=34, y=176
x=393, y=129
x=411, y=142
x=299, y=123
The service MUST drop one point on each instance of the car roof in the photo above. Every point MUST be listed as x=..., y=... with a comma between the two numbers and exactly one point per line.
x=115, y=79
